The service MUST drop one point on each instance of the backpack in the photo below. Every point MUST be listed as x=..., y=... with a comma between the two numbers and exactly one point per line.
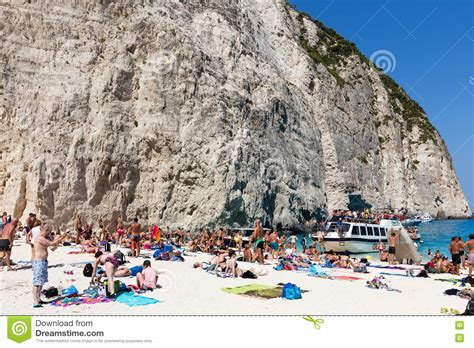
x=120, y=257
x=291, y=292
x=88, y=268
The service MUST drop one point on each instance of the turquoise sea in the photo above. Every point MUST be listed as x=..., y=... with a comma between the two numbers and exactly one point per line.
x=435, y=235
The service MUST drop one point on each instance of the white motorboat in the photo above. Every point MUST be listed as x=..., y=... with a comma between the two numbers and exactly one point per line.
x=426, y=218
x=361, y=237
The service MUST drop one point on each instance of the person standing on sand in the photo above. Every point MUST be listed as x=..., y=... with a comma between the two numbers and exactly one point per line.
x=454, y=248
x=135, y=230
x=40, y=259
x=470, y=250
x=78, y=228
x=257, y=236
x=120, y=231
x=392, y=241
x=6, y=241
x=381, y=248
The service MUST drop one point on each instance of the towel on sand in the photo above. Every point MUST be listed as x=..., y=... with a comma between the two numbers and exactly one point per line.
x=71, y=301
x=132, y=300
x=258, y=291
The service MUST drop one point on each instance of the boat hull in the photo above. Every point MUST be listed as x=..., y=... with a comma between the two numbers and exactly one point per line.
x=352, y=245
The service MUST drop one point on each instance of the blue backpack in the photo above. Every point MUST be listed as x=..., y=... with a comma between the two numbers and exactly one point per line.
x=291, y=292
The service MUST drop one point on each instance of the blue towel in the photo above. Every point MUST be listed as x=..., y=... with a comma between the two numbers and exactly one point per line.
x=317, y=270
x=131, y=300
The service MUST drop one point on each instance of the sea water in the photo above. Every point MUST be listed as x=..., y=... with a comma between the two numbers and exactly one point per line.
x=435, y=235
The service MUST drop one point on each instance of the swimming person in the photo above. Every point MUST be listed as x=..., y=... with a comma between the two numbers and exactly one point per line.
x=40, y=260
x=110, y=264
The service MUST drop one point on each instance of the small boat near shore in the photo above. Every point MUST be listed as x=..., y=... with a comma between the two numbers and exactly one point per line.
x=364, y=237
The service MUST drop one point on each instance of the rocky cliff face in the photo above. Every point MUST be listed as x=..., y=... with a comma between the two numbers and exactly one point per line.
x=189, y=112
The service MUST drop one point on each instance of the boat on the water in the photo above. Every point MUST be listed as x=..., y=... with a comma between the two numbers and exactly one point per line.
x=411, y=221
x=426, y=218
x=361, y=237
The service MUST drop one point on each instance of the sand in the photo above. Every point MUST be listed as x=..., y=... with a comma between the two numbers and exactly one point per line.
x=188, y=291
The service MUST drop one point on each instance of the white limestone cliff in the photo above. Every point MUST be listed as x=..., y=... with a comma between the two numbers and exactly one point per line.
x=198, y=112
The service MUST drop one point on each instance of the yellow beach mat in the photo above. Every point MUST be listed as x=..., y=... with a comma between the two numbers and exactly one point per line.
x=256, y=290
x=239, y=290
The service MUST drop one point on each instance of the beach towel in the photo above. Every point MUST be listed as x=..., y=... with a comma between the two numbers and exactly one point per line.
x=239, y=290
x=259, y=291
x=343, y=277
x=393, y=274
x=317, y=270
x=71, y=301
x=132, y=300
x=256, y=290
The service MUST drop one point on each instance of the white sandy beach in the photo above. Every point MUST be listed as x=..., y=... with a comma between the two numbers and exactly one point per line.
x=188, y=291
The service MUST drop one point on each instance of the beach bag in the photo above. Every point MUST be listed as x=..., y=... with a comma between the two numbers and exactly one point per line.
x=165, y=256
x=116, y=286
x=291, y=292
x=120, y=257
x=50, y=292
x=135, y=270
x=88, y=268
x=451, y=292
x=72, y=290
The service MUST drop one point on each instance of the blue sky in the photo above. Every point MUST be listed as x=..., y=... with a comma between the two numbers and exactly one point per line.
x=432, y=43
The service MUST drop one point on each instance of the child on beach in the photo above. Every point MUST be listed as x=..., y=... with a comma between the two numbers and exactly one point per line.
x=248, y=253
x=148, y=277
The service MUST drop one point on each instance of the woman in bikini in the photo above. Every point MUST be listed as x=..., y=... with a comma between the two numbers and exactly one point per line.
x=135, y=230
x=111, y=265
x=120, y=231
